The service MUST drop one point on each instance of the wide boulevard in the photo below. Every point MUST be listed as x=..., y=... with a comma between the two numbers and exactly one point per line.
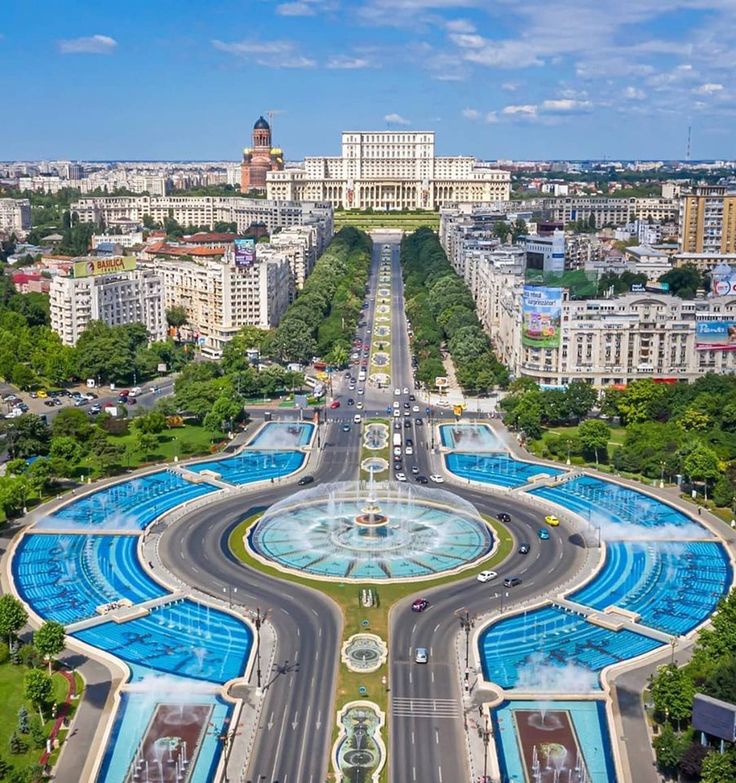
x=427, y=705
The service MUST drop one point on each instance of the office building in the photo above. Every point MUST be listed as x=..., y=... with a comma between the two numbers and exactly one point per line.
x=127, y=297
x=389, y=170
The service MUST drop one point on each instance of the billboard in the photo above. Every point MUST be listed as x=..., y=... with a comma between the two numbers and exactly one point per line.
x=723, y=281
x=93, y=267
x=714, y=717
x=245, y=252
x=541, y=315
x=715, y=336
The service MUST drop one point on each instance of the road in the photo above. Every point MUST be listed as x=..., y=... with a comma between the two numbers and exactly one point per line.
x=426, y=721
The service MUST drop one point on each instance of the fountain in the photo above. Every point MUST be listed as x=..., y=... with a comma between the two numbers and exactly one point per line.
x=371, y=532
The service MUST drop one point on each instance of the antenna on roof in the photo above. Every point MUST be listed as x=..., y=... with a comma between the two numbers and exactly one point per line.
x=270, y=114
x=689, y=135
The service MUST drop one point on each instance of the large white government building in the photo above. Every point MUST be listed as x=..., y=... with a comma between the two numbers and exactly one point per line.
x=389, y=170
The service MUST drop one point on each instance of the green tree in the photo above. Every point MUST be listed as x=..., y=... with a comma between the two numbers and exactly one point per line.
x=12, y=616
x=65, y=455
x=49, y=640
x=519, y=229
x=23, y=725
x=702, y=464
x=153, y=422
x=71, y=423
x=38, y=735
x=104, y=450
x=673, y=693
x=501, y=230
x=38, y=689
x=224, y=411
x=146, y=443
x=684, y=281
x=176, y=316
x=719, y=768
x=293, y=342
x=668, y=747
x=580, y=398
x=28, y=436
x=594, y=436
x=17, y=746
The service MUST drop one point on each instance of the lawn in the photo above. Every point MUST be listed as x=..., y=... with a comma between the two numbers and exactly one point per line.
x=369, y=220
x=11, y=697
x=538, y=447
x=346, y=596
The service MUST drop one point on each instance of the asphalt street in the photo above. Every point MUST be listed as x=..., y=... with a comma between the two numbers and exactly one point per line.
x=426, y=721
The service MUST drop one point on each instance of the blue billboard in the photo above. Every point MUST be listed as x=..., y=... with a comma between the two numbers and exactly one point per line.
x=245, y=252
x=715, y=336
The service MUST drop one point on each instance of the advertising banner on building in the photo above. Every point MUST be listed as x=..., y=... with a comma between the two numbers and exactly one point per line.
x=245, y=252
x=715, y=336
x=541, y=314
x=723, y=281
x=93, y=267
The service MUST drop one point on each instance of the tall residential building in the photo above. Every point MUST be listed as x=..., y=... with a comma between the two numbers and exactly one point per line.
x=15, y=216
x=708, y=220
x=259, y=159
x=220, y=297
x=389, y=170
x=115, y=299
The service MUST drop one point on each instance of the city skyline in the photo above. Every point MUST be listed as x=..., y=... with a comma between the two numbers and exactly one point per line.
x=560, y=80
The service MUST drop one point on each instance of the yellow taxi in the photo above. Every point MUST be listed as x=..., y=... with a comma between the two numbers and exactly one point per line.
x=550, y=519
x=42, y=393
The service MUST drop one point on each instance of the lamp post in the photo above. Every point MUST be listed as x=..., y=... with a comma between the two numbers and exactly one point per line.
x=230, y=590
x=486, y=735
x=258, y=647
x=661, y=475
x=466, y=624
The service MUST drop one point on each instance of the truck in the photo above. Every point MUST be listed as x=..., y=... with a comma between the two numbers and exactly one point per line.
x=397, y=439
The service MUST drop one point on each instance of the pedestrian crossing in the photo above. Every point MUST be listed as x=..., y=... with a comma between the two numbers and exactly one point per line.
x=405, y=707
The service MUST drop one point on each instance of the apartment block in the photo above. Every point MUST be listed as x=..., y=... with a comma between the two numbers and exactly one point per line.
x=15, y=216
x=117, y=299
x=708, y=220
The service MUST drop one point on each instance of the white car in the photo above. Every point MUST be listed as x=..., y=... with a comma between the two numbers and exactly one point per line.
x=406, y=391
x=443, y=403
x=401, y=477
x=359, y=405
x=397, y=392
x=409, y=450
x=437, y=478
x=357, y=418
x=14, y=413
x=415, y=408
x=486, y=576
x=135, y=391
x=361, y=391
x=396, y=404
x=397, y=451
x=397, y=413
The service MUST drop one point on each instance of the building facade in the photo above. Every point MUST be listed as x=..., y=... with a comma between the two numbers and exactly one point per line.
x=207, y=210
x=708, y=220
x=15, y=216
x=389, y=170
x=259, y=159
x=220, y=297
x=117, y=300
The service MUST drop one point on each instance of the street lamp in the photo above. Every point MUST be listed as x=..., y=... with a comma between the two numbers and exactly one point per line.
x=661, y=475
x=230, y=590
x=258, y=647
x=486, y=736
x=466, y=624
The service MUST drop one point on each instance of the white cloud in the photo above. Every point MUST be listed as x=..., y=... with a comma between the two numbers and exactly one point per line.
x=709, y=88
x=460, y=26
x=634, y=94
x=273, y=54
x=522, y=110
x=566, y=106
x=93, y=44
x=491, y=118
x=471, y=114
x=295, y=9
x=343, y=62
x=468, y=40
x=510, y=86
x=396, y=119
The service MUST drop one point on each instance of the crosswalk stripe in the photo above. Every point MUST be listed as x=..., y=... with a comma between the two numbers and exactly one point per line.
x=406, y=707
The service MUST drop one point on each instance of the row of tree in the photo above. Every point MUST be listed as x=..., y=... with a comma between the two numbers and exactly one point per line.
x=38, y=688
x=441, y=310
x=681, y=428
x=323, y=318
x=711, y=671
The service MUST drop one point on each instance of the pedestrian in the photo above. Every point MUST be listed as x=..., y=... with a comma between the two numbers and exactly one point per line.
x=150, y=565
x=700, y=510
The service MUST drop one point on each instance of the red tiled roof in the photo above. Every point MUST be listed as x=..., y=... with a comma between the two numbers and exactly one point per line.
x=204, y=236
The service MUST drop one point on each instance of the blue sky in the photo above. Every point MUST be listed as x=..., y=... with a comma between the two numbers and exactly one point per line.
x=186, y=79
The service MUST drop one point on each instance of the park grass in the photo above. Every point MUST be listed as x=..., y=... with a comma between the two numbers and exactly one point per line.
x=366, y=221
x=357, y=619
x=537, y=447
x=12, y=698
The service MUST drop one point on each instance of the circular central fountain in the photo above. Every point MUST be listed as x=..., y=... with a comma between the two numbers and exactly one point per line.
x=371, y=532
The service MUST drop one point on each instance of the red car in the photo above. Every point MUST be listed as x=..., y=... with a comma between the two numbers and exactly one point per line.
x=335, y=404
x=420, y=605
